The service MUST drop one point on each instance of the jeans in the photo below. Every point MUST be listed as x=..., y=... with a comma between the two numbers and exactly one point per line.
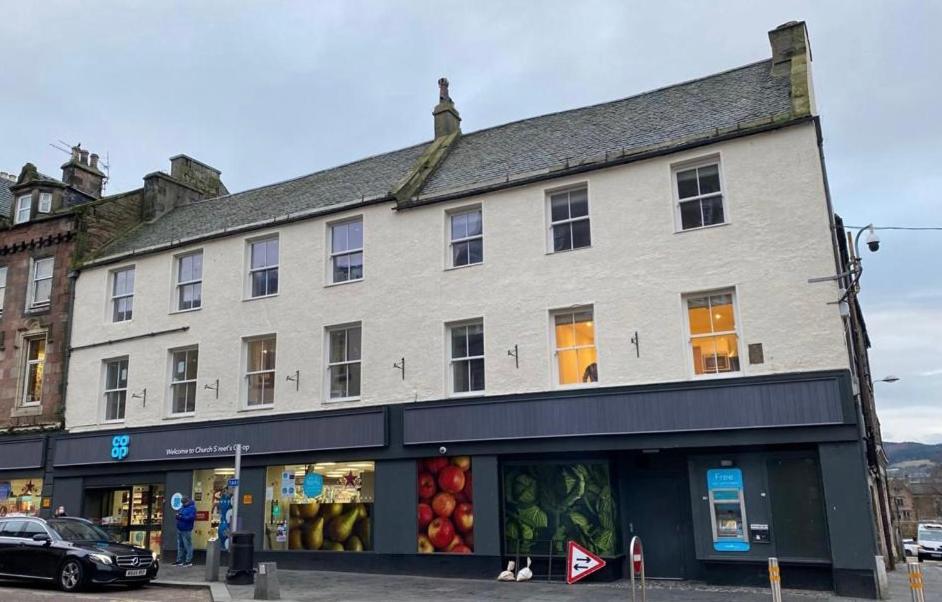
x=185, y=547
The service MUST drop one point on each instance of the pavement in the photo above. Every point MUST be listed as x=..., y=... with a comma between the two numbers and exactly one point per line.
x=187, y=585
x=306, y=586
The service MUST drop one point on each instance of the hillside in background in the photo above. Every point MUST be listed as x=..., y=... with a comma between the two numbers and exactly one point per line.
x=908, y=451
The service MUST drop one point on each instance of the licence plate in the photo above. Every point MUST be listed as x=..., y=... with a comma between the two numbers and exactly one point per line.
x=136, y=573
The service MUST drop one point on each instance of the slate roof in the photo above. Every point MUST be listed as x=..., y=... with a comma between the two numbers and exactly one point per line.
x=662, y=117
x=6, y=197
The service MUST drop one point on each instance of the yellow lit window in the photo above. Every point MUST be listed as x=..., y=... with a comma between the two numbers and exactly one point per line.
x=713, y=338
x=575, y=347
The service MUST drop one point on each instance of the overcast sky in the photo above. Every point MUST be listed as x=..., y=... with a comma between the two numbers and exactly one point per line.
x=265, y=91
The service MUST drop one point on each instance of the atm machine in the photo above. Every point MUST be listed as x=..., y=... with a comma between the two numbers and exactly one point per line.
x=727, y=510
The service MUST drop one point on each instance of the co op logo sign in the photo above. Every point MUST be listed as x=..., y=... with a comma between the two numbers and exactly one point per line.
x=120, y=446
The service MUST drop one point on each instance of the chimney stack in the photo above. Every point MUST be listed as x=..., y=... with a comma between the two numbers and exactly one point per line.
x=447, y=119
x=791, y=58
x=81, y=175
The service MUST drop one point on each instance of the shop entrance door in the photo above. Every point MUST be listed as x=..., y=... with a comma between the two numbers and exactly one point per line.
x=660, y=515
x=132, y=514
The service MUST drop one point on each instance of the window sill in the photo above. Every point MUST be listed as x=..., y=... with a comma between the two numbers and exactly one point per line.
x=699, y=228
x=178, y=416
x=120, y=421
x=259, y=297
x=466, y=394
x=568, y=251
x=462, y=267
x=721, y=375
x=577, y=386
x=192, y=309
x=354, y=281
x=341, y=400
x=267, y=406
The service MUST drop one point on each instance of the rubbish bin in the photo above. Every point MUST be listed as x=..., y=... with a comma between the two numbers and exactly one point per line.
x=241, y=559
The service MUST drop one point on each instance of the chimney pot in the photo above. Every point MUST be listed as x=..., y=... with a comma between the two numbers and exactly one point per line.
x=84, y=154
x=75, y=153
x=94, y=160
x=447, y=119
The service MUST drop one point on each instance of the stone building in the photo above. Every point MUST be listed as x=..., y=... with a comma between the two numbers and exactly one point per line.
x=601, y=315
x=47, y=226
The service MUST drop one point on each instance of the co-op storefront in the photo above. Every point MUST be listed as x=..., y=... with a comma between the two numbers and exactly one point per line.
x=715, y=477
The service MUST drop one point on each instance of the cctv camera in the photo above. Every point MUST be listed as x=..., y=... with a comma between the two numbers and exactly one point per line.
x=873, y=241
x=443, y=450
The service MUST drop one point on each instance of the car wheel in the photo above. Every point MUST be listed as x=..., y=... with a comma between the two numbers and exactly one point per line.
x=71, y=575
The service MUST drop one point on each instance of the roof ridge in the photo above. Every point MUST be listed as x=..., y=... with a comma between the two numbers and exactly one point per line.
x=618, y=100
x=308, y=175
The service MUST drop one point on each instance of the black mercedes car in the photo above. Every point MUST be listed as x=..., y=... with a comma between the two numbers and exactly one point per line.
x=72, y=552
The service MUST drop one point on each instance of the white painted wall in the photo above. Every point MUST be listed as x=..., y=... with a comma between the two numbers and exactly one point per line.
x=634, y=274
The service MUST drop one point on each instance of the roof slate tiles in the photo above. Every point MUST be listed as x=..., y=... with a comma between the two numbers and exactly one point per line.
x=661, y=117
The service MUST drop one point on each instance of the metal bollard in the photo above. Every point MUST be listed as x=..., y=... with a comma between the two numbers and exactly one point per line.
x=915, y=581
x=212, y=561
x=775, y=580
x=636, y=567
x=266, y=582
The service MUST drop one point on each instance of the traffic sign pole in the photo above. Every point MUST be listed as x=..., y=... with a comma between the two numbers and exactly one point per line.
x=235, y=490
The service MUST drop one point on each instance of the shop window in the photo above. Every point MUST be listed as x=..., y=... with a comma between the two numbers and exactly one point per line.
x=131, y=515
x=446, y=506
x=213, y=500
x=320, y=506
x=547, y=504
x=714, y=341
x=576, y=357
x=20, y=496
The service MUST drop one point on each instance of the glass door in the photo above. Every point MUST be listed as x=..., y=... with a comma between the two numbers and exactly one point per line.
x=129, y=514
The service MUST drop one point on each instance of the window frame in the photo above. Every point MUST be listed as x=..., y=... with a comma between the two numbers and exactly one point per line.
x=246, y=373
x=555, y=349
x=450, y=328
x=688, y=336
x=328, y=364
x=3, y=287
x=28, y=364
x=31, y=303
x=174, y=383
x=698, y=163
x=550, y=223
x=179, y=284
x=118, y=390
x=45, y=199
x=450, y=214
x=20, y=208
x=114, y=298
x=331, y=255
x=249, y=270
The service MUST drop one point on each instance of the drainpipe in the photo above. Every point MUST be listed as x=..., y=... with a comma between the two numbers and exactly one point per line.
x=67, y=339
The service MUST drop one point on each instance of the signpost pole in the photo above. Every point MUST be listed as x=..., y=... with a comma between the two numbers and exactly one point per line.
x=235, y=491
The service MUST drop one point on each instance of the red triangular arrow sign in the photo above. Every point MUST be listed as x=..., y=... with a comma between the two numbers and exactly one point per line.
x=580, y=563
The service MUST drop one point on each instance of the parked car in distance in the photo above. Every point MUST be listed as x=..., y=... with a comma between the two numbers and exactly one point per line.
x=71, y=552
x=910, y=547
x=929, y=540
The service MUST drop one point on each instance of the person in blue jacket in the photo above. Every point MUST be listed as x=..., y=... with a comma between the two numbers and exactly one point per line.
x=186, y=516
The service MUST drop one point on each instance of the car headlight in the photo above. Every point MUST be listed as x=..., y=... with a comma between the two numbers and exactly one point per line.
x=153, y=555
x=102, y=558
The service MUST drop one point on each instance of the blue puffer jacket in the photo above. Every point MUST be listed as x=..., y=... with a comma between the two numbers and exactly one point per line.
x=186, y=517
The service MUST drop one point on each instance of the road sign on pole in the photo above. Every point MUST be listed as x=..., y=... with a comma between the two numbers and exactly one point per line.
x=580, y=563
